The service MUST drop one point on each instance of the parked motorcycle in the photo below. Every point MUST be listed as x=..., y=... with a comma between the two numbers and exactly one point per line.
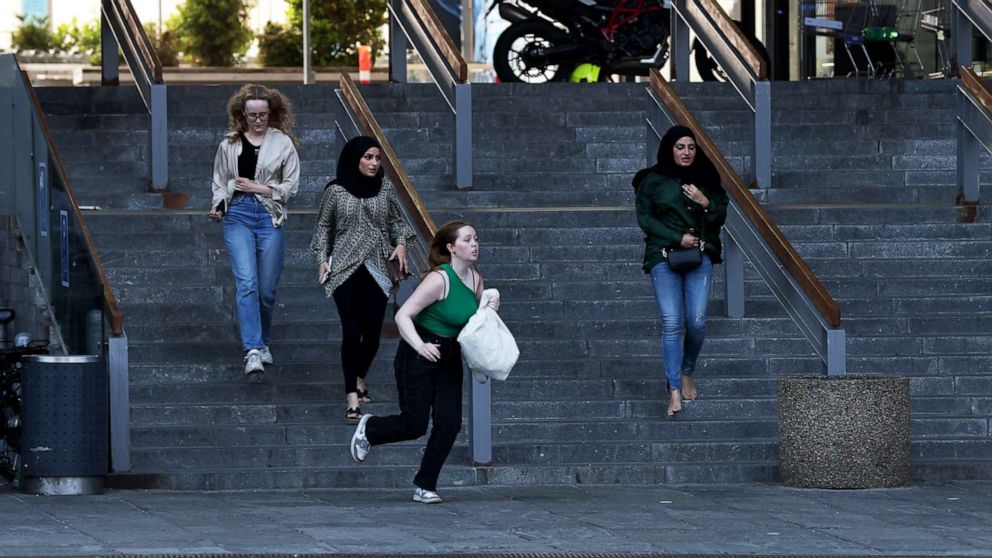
x=548, y=39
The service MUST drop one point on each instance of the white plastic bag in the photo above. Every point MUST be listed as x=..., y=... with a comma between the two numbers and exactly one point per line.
x=487, y=344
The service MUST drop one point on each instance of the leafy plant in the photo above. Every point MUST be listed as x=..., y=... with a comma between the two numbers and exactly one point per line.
x=166, y=45
x=213, y=32
x=71, y=38
x=32, y=34
x=337, y=25
x=279, y=45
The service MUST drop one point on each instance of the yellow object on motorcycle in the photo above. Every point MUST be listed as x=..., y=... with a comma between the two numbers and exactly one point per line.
x=585, y=72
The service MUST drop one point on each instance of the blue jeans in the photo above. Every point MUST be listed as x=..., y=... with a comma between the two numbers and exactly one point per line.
x=257, y=249
x=682, y=297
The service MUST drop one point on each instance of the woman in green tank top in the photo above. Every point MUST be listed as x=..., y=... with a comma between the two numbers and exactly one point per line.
x=428, y=360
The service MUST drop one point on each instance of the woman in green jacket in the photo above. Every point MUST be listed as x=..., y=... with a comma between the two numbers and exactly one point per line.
x=680, y=205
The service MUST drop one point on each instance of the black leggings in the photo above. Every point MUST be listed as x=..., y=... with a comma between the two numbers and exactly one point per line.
x=362, y=308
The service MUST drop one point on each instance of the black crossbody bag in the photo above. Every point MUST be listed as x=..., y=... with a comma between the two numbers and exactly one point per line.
x=684, y=259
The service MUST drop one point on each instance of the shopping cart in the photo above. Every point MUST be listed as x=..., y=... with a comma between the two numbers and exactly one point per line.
x=877, y=36
x=844, y=21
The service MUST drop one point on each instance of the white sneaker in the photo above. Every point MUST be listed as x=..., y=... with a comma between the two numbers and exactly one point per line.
x=266, y=355
x=359, y=443
x=253, y=362
x=426, y=496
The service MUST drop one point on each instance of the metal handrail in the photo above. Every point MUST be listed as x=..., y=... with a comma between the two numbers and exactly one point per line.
x=110, y=303
x=752, y=232
x=125, y=29
x=746, y=69
x=116, y=343
x=358, y=118
x=413, y=22
x=974, y=130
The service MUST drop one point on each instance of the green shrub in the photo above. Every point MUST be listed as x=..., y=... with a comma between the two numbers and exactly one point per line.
x=335, y=27
x=279, y=45
x=32, y=34
x=213, y=32
x=166, y=45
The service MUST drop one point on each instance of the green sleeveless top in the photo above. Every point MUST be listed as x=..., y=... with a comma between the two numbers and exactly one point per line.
x=447, y=317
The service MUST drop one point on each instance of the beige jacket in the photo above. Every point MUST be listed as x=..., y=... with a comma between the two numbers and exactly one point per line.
x=278, y=167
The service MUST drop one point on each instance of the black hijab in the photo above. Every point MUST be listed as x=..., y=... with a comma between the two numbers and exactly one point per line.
x=348, y=175
x=701, y=172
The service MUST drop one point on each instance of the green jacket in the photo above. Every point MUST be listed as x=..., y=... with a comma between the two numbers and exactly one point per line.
x=665, y=214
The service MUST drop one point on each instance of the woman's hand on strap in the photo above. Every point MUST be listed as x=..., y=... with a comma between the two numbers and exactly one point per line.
x=399, y=253
x=690, y=241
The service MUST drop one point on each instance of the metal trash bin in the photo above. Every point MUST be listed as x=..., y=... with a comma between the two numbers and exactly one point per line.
x=65, y=435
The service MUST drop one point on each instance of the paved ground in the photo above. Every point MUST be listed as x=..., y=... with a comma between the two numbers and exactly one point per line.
x=947, y=519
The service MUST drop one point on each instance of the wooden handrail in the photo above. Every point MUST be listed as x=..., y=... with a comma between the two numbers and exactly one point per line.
x=735, y=36
x=977, y=88
x=441, y=38
x=109, y=299
x=755, y=213
x=421, y=218
x=134, y=30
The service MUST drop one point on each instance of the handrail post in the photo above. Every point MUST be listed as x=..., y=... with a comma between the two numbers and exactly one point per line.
x=836, y=352
x=120, y=405
x=679, y=31
x=158, y=137
x=761, y=162
x=962, y=34
x=397, y=44
x=481, y=438
x=967, y=154
x=109, y=72
x=463, y=135
x=733, y=269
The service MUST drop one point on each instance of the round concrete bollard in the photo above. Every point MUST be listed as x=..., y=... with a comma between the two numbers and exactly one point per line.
x=844, y=431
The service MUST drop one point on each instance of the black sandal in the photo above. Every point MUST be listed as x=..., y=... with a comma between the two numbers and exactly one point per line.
x=353, y=414
x=364, y=396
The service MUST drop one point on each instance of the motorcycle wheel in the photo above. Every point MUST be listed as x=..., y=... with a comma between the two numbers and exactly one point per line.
x=518, y=54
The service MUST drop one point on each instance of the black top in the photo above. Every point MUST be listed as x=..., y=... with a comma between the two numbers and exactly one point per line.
x=248, y=158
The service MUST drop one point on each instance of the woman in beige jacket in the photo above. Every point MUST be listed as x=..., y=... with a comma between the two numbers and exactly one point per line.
x=256, y=171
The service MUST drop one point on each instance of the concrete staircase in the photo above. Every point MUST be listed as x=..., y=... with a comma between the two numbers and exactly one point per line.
x=862, y=187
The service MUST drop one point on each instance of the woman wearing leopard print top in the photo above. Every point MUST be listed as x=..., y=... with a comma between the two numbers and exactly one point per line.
x=359, y=227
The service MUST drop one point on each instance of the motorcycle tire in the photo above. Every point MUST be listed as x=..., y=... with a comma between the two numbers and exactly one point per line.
x=707, y=66
x=520, y=41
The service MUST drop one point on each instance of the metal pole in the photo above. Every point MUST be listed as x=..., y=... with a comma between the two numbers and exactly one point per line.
x=481, y=441
x=109, y=72
x=836, y=352
x=463, y=135
x=733, y=268
x=962, y=33
x=120, y=405
x=468, y=30
x=307, y=70
x=680, y=42
x=761, y=159
x=397, y=43
x=968, y=154
x=158, y=137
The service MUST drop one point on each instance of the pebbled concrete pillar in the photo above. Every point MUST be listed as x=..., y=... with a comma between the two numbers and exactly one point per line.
x=844, y=432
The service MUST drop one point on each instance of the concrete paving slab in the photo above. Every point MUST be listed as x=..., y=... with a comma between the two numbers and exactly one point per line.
x=951, y=519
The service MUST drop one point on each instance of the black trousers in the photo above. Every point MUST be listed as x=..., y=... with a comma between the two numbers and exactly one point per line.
x=428, y=390
x=362, y=308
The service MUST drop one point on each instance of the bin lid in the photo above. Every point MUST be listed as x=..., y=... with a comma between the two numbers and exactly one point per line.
x=62, y=359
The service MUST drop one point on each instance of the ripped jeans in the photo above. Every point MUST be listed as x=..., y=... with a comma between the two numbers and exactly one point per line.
x=682, y=297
